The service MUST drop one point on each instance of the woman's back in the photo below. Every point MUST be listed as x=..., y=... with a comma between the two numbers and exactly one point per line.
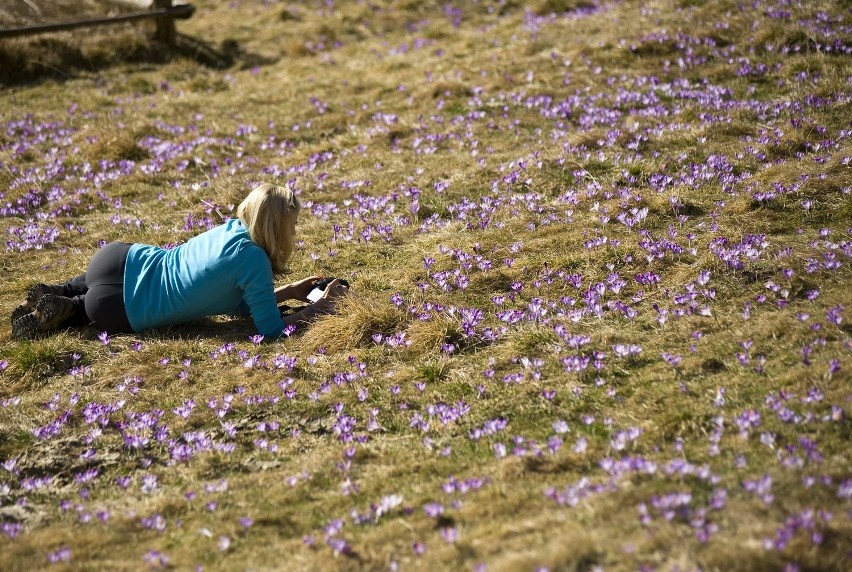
x=221, y=271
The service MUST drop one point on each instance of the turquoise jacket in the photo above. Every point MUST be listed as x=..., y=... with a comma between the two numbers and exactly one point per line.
x=221, y=271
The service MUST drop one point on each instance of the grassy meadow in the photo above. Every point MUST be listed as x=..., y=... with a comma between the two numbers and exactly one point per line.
x=600, y=264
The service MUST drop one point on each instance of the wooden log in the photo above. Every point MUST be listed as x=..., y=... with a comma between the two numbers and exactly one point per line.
x=181, y=11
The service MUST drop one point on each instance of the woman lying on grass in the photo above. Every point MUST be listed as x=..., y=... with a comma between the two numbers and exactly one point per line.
x=226, y=270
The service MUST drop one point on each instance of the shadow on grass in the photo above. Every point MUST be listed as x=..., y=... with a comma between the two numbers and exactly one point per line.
x=60, y=57
x=236, y=330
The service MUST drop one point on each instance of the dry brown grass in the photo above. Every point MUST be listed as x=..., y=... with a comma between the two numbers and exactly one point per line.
x=62, y=55
x=405, y=58
x=353, y=324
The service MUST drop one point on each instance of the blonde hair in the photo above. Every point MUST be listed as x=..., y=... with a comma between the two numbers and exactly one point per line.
x=269, y=213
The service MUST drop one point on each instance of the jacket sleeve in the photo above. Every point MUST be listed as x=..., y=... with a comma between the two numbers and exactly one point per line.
x=254, y=277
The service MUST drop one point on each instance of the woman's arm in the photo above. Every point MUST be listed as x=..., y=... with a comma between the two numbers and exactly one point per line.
x=296, y=290
x=253, y=274
x=301, y=317
x=324, y=305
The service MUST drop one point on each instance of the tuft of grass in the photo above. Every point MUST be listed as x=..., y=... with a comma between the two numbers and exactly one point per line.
x=122, y=145
x=353, y=324
x=433, y=371
x=544, y=7
x=34, y=363
x=428, y=337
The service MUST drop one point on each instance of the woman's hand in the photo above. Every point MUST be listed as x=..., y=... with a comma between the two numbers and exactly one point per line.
x=297, y=290
x=334, y=290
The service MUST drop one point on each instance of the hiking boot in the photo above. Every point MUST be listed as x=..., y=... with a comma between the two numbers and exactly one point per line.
x=36, y=291
x=25, y=328
x=51, y=311
x=34, y=294
x=19, y=312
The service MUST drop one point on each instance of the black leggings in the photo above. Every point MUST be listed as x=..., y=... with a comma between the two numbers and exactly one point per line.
x=98, y=294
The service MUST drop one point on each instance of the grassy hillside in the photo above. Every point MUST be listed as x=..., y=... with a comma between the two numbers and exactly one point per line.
x=600, y=267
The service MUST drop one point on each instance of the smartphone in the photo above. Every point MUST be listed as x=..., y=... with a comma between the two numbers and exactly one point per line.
x=320, y=285
x=315, y=294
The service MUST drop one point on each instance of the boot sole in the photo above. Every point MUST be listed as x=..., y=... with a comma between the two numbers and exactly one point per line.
x=52, y=311
x=25, y=328
x=20, y=312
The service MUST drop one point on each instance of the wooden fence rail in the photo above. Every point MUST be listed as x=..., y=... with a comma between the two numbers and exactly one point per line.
x=162, y=11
